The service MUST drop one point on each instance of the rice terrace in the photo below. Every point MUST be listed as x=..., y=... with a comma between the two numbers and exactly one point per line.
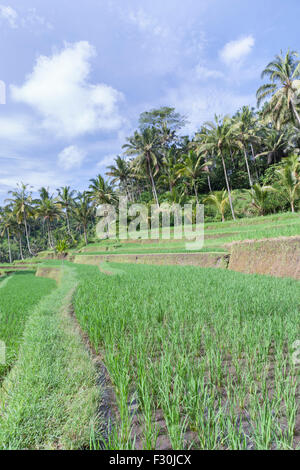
x=173, y=326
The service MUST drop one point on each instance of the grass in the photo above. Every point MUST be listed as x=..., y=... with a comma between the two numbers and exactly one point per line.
x=217, y=235
x=204, y=356
x=49, y=400
x=18, y=295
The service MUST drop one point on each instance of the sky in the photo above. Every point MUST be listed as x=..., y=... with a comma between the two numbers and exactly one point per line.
x=75, y=76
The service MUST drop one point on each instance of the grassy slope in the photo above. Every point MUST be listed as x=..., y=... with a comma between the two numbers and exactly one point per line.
x=211, y=349
x=49, y=399
x=217, y=235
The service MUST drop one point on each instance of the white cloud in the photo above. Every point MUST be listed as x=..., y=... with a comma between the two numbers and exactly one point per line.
x=234, y=51
x=58, y=89
x=9, y=14
x=146, y=23
x=17, y=128
x=200, y=104
x=203, y=73
x=107, y=160
x=71, y=157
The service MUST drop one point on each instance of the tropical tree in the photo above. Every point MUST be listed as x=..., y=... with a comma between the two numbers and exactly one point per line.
x=243, y=134
x=22, y=203
x=100, y=192
x=120, y=173
x=48, y=211
x=260, y=197
x=217, y=142
x=220, y=201
x=83, y=213
x=283, y=88
x=289, y=179
x=7, y=225
x=191, y=167
x=145, y=146
x=65, y=199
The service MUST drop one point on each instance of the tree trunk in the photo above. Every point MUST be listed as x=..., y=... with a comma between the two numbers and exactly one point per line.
x=195, y=190
x=209, y=183
x=295, y=112
x=228, y=188
x=248, y=169
x=85, y=235
x=21, y=249
x=68, y=224
x=9, y=247
x=49, y=235
x=152, y=182
x=253, y=156
x=292, y=206
x=27, y=236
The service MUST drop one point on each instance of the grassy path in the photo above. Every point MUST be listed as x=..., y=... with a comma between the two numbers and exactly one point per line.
x=50, y=398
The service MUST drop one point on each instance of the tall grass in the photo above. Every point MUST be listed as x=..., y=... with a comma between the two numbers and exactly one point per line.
x=204, y=355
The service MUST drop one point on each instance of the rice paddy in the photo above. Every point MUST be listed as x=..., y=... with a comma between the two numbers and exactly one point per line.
x=198, y=358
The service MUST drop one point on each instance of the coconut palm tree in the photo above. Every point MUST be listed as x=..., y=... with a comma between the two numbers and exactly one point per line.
x=146, y=147
x=170, y=167
x=260, y=197
x=191, y=167
x=220, y=200
x=65, y=199
x=120, y=173
x=243, y=135
x=49, y=211
x=7, y=224
x=100, y=192
x=22, y=203
x=83, y=213
x=289, y=179
x=217, y=142
x=284, y=89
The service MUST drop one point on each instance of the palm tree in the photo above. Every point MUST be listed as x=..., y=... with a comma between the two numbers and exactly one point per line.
x=289, y=179
x=283, y=88
x=274, y=141
x=169, y=175
x=243, y=134
x=191, y=167
x=120, y=173
x=7, y=224
x=66, y=201
x=145, y=146
x=48, y=211
x=100, y=192
x=260, y=196
x=23, y=208
x=217, y=142
x=220, y=200
x=83, y=213
x=201, y=138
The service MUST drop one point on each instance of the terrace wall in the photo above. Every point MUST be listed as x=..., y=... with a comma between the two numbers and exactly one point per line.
x=274, y=256
x=207, y=260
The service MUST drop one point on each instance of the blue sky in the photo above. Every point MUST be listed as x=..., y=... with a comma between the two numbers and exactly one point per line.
x=78, y=74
